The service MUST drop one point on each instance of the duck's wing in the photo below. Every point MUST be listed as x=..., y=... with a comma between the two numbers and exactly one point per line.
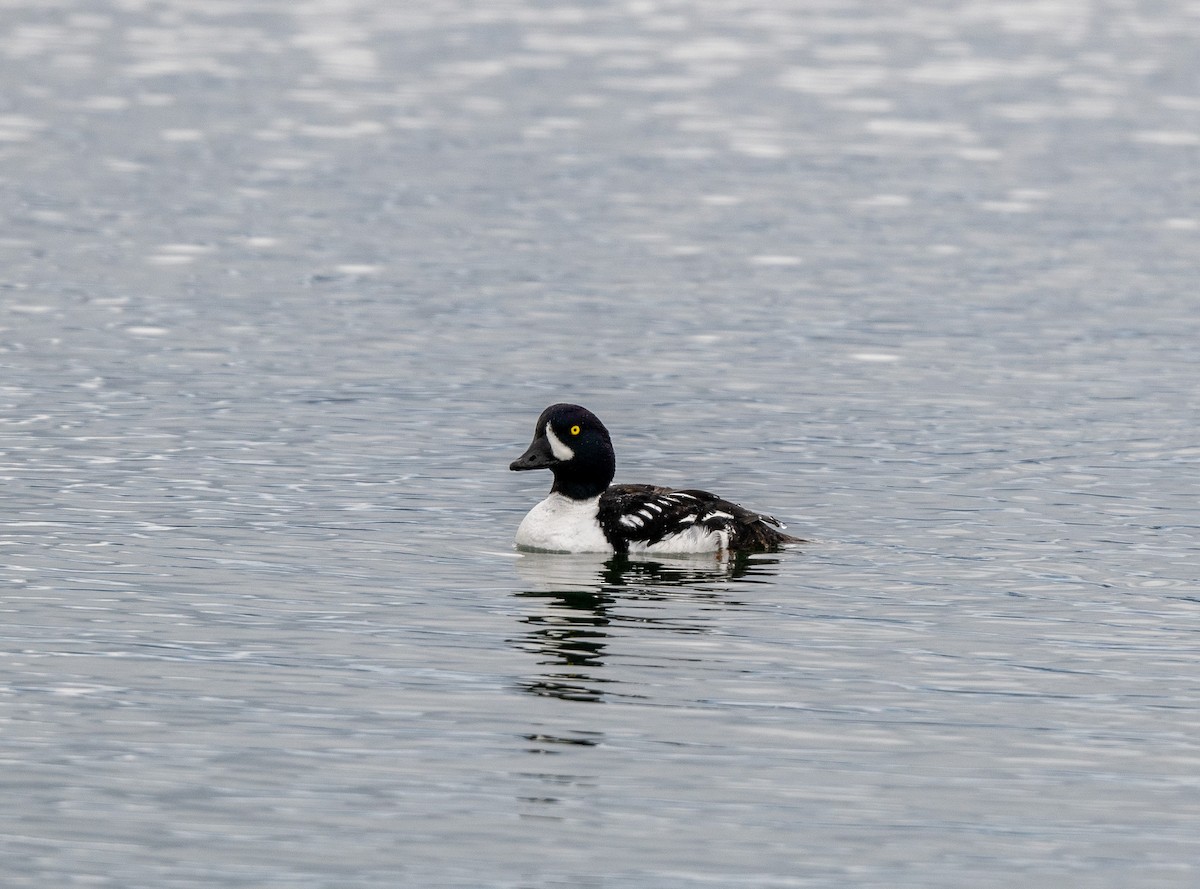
x=747, y=529
x=649, y=515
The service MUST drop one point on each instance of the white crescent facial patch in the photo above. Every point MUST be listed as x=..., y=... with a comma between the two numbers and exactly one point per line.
x=560, y=450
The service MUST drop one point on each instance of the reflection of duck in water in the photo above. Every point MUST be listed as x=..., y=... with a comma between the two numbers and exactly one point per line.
x=585, y=598
x=614, y=574
x=584, y=514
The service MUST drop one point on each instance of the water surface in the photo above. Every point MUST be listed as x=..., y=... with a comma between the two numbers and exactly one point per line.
x=284, y=287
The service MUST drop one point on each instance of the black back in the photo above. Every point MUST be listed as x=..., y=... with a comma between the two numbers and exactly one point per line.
x=652, y=513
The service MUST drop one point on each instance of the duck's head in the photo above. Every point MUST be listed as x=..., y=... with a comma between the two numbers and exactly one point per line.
x=572, y=443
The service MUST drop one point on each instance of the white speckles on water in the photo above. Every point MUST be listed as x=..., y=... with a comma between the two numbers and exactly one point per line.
x=178, y=254
x=884, y=201
x=182, y=135
x=18, y=127
x=353, y=129
x=359, y=269
x=1006, y=206
x=922, y=129
x=1169, y=138
x=29, y=309
x=833, y=80
x=775, y=259
x=877, y=357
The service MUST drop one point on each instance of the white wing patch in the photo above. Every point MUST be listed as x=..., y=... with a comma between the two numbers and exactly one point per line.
x=692, y=530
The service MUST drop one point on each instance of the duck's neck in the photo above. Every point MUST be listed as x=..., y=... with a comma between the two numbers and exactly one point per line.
x=584, y=485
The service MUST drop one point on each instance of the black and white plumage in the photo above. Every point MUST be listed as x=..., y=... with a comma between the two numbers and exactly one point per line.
x=586, y=513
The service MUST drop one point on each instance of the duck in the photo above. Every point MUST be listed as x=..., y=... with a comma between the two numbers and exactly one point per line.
x=585, y=513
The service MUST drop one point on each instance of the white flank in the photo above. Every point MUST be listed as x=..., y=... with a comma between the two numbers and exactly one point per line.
x=560, y=450
x=560, y=524
x=695, y=539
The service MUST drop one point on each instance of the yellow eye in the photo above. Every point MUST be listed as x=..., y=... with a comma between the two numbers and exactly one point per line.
x=574, y=430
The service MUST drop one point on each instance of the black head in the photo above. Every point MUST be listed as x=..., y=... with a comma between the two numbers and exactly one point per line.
x=571, y=442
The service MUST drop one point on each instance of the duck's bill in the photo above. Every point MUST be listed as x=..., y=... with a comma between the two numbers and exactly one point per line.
x=539, y=456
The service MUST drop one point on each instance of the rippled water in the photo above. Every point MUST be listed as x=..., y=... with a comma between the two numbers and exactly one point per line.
x=283, y=287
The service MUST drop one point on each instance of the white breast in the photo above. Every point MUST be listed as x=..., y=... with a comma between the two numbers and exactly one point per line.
x=560, y=524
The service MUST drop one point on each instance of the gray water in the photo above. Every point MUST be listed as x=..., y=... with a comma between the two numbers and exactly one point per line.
x=285, y=285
